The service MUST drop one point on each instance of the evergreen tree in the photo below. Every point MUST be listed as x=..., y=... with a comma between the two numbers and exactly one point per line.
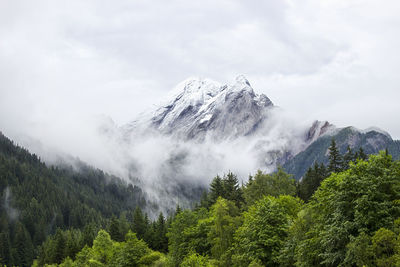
x=216, y=190
x=231, y=189
x=311, y=181
x=139, y=225
x=335, y=159
x=177, y=210
x=59, y=247
x=347, y=158
x=5, y=251
x=115, y=230
x=361, y=154
x=160, y=232
x=23, y=248
x=89, y=234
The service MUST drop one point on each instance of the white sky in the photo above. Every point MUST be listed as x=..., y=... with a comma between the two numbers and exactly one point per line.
x=64, y=61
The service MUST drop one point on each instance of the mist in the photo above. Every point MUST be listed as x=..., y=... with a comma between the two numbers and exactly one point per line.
x=167, y=168
x=11, y=211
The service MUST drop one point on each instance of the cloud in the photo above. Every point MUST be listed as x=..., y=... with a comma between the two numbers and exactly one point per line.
x=63, y=62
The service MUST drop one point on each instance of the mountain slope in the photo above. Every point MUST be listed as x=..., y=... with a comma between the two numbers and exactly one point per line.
x=36, y=200
x=204, y=111
x=200, y=107
x=372, y=141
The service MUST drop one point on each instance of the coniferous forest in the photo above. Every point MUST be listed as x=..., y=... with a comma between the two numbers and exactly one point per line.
x=343, y=214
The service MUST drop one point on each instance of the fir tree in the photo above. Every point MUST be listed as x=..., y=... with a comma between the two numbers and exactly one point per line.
x=335, y=159
x=115, y=230
x=23, y=248
x=216, y=190
x=347, y=158
x=361, y=154
x=231, y=189
x=139, y=225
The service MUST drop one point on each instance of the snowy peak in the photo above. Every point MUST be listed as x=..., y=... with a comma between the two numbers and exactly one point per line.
x=195, y=90
x=197, y=108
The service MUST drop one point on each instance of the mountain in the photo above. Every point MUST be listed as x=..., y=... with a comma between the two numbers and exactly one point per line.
x=200, y=108
x=371, y=140
x=202, y=111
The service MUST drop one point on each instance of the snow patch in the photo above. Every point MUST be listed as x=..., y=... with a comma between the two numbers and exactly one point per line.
x=207, y=117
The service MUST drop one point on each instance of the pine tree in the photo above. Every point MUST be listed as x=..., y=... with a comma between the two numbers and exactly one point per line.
x=335, y=159
x=347, y=158
x=89, y=234
x=161, y=240
x=139, y=225
x=361, y=154
x=312, y=180
x=231, y=189
x=23, y=248
x=216, y=190
x=5, y=252
x=177, y=210
x=115, y=230
x=59, y=247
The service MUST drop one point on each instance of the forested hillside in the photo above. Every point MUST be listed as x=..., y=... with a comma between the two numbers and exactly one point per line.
x=36, y=200
x=343, y=214
x=352, y=219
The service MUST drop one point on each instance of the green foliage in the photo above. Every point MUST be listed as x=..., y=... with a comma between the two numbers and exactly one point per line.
x=278, y=183
x=311, y=181
x=195, y=260
x=227, y=188
x=335, y=158
x=359, y=251
x=352, y=219
x=188, y=233
x=385, y=246
x=139, y=223
x=224, y=220
x=106, y=252
x=131, y=252
x=362, y=199
x=264, y=230
x=42, y=199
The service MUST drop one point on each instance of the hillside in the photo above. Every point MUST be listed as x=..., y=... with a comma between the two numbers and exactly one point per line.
x=371, y=141
x=37, y=199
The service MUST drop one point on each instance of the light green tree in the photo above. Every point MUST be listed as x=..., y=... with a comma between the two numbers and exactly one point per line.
x=264, y=230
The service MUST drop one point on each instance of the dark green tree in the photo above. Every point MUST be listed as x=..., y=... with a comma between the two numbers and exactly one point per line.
x=115, y=230
x=335, y=159
x=231, y=189
x=361, y=154
x=311, y=181
x=22, y=247
x=5, y=249
x=59, y=247
x=160, y=234
x=139, y=224
x=347, y=158
x=216, y=190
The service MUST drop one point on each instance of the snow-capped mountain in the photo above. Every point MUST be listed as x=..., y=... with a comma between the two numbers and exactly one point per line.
x=200, y=108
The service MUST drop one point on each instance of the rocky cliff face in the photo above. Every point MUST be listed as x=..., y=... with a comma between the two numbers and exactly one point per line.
x=200, y=108
x=371, y=140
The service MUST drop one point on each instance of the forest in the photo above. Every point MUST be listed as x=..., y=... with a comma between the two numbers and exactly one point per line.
x=344, y=214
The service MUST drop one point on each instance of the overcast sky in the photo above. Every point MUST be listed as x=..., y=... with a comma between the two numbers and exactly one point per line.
x=65, y=61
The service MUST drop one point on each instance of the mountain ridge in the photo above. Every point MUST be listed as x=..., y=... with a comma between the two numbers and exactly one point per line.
x=200, y=109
